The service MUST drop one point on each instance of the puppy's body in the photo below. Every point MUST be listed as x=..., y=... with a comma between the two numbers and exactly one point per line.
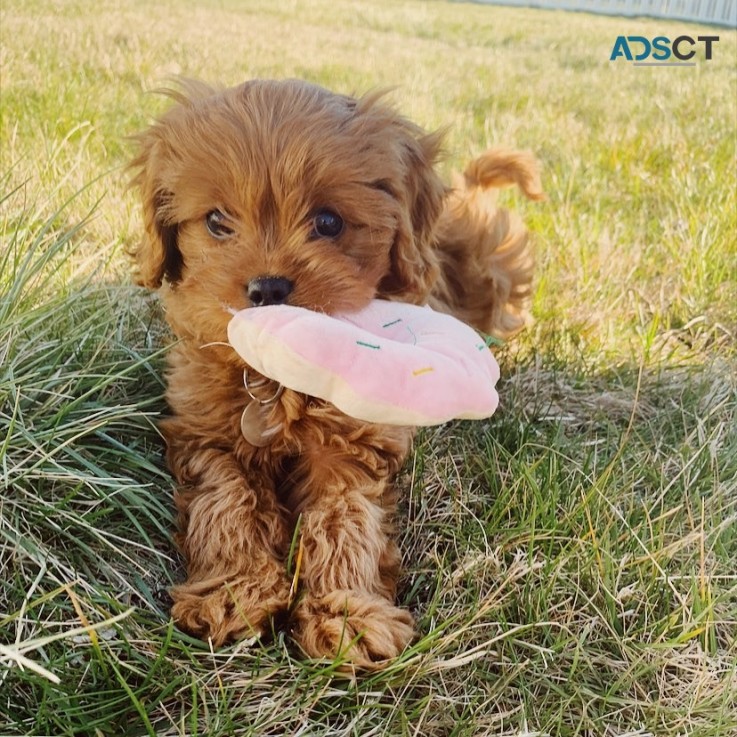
x=283, y=191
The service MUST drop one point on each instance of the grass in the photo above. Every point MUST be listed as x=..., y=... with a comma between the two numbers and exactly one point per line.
x=570, y=562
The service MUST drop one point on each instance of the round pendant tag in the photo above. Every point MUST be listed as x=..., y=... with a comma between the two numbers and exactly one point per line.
x=253, y=425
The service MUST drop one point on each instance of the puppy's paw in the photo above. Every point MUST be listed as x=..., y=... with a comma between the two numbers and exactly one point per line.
x=366, y=631
x=224, y=610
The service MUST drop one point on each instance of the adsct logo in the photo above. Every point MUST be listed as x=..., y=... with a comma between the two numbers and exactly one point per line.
x=661, y=51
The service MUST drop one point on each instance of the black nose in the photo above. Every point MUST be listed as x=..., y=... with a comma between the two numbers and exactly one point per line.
x=269, y=290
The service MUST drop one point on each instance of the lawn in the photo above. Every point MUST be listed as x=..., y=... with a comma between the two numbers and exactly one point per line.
x=570, y=562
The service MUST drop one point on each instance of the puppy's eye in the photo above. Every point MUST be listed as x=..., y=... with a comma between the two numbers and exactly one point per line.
x=216, y=225
x=326, y=224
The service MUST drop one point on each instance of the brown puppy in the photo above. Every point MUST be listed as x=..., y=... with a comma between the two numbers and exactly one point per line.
x=275, y=192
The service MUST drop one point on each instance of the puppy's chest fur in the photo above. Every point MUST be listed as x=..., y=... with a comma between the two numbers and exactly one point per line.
x=207, y=396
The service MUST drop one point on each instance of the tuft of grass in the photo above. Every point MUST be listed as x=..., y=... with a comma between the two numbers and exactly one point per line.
x=570, y=562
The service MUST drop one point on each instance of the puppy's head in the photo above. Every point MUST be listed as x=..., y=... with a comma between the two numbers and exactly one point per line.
x=283, y=192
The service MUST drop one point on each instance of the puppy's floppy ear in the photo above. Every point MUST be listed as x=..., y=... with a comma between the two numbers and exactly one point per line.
x=157, y=256
x=414, y=266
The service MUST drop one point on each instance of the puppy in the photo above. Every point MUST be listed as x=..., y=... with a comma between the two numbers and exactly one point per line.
x=283, y=192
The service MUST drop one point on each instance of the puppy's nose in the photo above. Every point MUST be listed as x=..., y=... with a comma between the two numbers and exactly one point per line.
x=269, y=290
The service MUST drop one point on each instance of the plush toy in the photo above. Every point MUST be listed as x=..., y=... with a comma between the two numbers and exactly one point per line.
x=390, y=363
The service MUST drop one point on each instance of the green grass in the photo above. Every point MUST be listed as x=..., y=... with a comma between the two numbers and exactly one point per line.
x=571, y=562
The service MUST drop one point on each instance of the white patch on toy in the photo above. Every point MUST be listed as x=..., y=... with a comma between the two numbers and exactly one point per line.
x=390, y=363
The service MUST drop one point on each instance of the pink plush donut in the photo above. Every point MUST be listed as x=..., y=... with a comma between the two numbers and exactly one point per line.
x=390, y=363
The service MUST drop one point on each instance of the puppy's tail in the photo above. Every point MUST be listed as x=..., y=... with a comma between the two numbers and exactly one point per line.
x=502, y=167
x=484, y=251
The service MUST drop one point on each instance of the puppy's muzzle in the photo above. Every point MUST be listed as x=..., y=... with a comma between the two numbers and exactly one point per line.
x=269, y=290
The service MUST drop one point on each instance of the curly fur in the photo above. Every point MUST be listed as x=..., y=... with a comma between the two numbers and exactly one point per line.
x=269, y=154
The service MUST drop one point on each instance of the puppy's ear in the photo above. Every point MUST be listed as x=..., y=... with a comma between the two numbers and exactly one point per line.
x=414, y=265
x=157, y=256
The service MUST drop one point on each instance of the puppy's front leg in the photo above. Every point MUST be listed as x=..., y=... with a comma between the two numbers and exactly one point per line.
x=234, y=537
x=350, y=563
